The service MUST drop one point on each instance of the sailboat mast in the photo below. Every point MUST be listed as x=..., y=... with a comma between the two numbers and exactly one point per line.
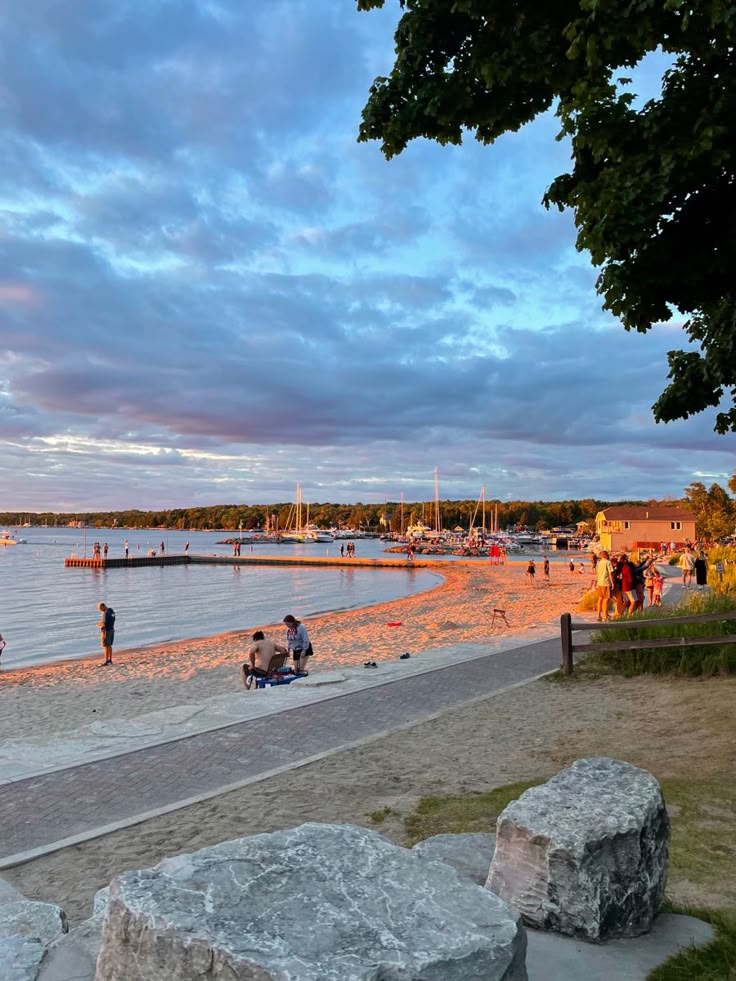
x=437, y=520
x=402, y=514
x=483, y=497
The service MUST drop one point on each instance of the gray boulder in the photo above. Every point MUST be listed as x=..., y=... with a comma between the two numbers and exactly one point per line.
x=586, y=853
x=8, y=893
x=73, y=956
x=315, y=903
x=469, y=854
x=26, y=929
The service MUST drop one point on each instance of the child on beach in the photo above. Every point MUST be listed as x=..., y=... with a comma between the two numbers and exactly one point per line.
x=657, y=591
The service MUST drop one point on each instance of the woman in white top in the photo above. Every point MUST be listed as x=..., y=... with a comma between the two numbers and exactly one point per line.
x=297, y=640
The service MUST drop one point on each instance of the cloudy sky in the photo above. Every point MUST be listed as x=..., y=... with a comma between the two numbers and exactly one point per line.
x=209, y=291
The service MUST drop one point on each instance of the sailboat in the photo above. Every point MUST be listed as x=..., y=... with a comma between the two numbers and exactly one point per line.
x=304, y=533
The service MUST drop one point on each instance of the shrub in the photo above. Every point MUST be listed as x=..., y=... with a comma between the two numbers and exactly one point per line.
x=698, y=660
x=588, y=601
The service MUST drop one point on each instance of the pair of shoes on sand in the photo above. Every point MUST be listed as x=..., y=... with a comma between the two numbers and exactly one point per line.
x=403, y=657
x=370, y=664
x=104, y=664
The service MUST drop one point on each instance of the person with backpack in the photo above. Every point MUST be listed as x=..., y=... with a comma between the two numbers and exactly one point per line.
x=107, y=631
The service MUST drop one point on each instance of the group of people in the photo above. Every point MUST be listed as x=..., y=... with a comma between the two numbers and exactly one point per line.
x=348, y=550
x=263, y=650
x=531, y=571
x=626, y=584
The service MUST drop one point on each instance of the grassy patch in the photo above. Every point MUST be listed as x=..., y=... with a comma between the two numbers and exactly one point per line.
x=695, y=661
x=379, y=816
x=714, y=962
x=703, y=845
x=463, y=814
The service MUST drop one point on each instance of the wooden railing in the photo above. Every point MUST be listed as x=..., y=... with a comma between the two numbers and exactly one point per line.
x=568, y=625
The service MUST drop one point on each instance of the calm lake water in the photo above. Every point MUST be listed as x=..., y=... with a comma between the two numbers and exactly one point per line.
x=49, y=613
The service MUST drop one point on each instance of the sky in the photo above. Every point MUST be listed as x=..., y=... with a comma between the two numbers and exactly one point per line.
x=210, y=292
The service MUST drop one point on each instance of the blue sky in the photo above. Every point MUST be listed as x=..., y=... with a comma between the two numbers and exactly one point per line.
x=209, y=291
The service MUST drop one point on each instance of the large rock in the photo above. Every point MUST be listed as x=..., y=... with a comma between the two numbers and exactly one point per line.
x=26, y=929
x=586, y=853
x=315, y=903
x=469, y=854
x=73, y=955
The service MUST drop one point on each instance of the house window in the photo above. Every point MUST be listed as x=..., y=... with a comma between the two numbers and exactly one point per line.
x=676, y=525
x=626, y=524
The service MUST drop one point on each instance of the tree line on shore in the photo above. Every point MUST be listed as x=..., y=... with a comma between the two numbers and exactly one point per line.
x=383, y=517
x=714, y=510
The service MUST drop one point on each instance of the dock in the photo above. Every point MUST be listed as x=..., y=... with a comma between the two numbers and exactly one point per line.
x=76, y=561
x=136, y=561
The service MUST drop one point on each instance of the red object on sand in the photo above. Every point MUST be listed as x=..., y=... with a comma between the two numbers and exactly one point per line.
x=395, y=623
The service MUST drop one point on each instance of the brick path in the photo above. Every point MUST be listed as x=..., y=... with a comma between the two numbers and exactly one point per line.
x=44, y=809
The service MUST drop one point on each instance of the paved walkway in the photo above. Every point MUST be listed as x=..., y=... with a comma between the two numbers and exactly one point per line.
x=49, y=809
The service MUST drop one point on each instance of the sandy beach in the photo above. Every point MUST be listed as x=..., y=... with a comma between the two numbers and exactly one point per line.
x=59, y=697
x=673, y=727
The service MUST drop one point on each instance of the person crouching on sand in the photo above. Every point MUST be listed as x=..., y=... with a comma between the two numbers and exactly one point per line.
x=297, y=640
x=260, y=656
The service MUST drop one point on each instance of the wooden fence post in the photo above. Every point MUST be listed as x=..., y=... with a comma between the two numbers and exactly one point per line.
x=566, y=638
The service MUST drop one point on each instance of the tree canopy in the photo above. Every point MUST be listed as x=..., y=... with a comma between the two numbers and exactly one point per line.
x=652, y=186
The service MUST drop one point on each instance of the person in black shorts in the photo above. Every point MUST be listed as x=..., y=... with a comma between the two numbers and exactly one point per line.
x=107, y=631
x=531, y=571
x=297, y=640
x=260, y=655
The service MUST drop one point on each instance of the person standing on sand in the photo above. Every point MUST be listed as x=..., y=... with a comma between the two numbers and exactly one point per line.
x=297, y=641
x=531, y=572
x=604, y=584
x=125, y=546
x=545, y=568
x=107, y=631
x=260, y=656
